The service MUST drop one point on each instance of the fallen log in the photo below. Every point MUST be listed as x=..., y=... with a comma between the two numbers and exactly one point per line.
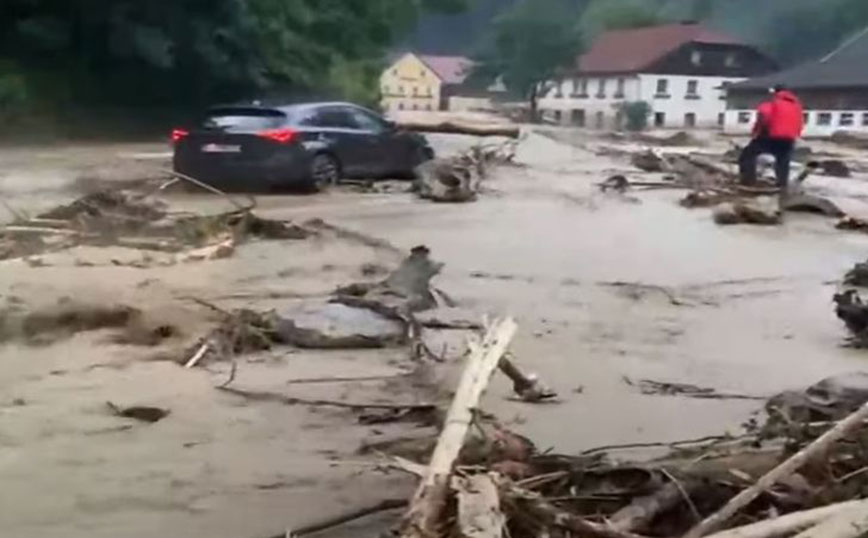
x=790, y=523
x=423, y=516
x=785, y=469
x=852, y=523
x=479, y=514
x=641, y=512
x=336, y=521
x=454, y=127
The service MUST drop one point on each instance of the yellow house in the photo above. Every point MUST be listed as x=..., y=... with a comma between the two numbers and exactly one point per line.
x=420, y=82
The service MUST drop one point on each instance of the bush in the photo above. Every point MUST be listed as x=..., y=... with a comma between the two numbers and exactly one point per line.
x=636, y=114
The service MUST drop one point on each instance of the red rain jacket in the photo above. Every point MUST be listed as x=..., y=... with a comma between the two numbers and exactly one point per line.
x=780, y=118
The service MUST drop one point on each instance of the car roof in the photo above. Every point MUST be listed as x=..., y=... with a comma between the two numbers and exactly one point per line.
x=284, y=107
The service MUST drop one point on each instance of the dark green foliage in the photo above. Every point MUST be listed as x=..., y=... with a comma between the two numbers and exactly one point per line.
x=529, y=43
x=170, y=52
x=636, y=115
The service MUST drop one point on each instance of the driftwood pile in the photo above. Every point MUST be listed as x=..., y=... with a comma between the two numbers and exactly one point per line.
x=459, y=178
x=801, y=474
x=137, y=220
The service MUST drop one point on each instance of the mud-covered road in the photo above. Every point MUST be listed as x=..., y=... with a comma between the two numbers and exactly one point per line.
x=607, y=289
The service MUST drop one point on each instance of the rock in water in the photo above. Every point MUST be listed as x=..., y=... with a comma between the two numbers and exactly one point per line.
x=761, y=211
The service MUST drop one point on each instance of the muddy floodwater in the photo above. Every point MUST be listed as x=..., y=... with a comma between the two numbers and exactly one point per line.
x=608, y=290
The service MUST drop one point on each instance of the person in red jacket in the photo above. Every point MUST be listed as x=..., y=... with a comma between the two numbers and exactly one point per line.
x=779, y=124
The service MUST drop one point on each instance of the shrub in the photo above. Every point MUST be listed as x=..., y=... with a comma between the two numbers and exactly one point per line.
x=636, y=114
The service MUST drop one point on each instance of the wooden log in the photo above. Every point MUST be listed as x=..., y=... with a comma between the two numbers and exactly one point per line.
x=479, y=514
x=454, y=127
x=852, y=523
x=788, y=524
x=817, y=448
x=423, y=517
x=641, y=512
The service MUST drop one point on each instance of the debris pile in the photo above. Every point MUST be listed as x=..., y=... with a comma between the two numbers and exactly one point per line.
x=854, y=313
x=801, y=470
x=459, y=178
x=137, y=220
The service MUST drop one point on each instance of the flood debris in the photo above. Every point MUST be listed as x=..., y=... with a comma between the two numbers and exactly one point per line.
x=140, y=413
x=650, y=387
x=764, y=212
x=459, y=178
x=48, y=324
x=833, y=167
x=850, y=309
x=858, y=275
x=462, y=127
x=649, y=161
x=139, y=221
x=805, y=477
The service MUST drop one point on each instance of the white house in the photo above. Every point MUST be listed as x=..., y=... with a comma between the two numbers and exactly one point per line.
x=680, y=70
x=834, y=91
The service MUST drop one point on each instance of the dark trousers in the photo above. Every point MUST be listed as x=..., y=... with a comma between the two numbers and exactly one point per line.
x=781, y=149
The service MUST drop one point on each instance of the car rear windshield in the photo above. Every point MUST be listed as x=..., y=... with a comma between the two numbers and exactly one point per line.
x=243, y=119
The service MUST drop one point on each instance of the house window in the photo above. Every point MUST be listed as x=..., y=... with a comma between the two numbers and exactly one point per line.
x=559, y=89
x=620, y=91
x=696, y=57
x=400, y=106
x=577, y=84
x=400, y=90
x=806, y=118
x=690, y=119
x=394, y=72
x=662, y=88
x=720, y=119
x=421, y=73
x=692, y=89
x=659, y=119
x=731, y=60
x=578, y=117
x=601, y=89
x=557, y=114
x=824, y=118
x=599, y=120
x=848, y=119
x=415, y=91
x=427, y=107
x=583, y=90
x=865, y=119
x=415, y=107
x=745, y=117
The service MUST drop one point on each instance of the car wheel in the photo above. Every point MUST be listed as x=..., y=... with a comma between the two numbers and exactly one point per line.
x=325, y=171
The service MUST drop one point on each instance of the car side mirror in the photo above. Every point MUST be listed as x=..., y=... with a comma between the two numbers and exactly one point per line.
x=391, y=125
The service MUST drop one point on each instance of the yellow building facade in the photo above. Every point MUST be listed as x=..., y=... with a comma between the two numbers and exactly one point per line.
x=410, y=84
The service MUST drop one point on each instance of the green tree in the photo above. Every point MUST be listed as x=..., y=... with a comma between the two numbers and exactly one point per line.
x=529, y=44
x=636, y=114
x=601, y=15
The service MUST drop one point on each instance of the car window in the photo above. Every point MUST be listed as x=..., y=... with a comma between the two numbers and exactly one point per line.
x=240, y=119
x=367, y=121
x=335, y=118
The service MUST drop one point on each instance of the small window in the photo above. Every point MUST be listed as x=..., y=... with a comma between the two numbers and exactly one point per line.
x=621, y=84
x=848, y=119
x=824, y=118
x=806, y=118
x=400, y=106
x=696, y=57
x=415, y=106
x=557, y=115
x=584, y=88
x=693, y=88
x=690, y=119
x=745, y=117
x=578, y=117
x=577, y=86
x=427, y=107
x=394, y=72
x=559, y=89
x=400, y=90
x=600, y=120
x=662, y=87
x=421, y=73
x=415, y=91
x=731, y=60
x=659, y=119
x=601, y=88
x=721, y=118
x=865, y=119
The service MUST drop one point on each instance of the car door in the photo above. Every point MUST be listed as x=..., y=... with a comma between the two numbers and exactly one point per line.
x=337, y=126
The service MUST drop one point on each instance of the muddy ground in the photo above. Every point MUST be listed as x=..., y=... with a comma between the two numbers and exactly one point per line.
x=605, y=287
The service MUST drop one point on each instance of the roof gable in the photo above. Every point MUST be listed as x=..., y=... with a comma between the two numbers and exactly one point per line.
x=634, y=49
x=449, y=69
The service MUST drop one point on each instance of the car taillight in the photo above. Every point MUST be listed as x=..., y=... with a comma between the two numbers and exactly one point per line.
x=178, y=134
x=281, y=136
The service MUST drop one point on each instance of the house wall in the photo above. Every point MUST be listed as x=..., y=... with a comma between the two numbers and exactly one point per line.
x=565, y=102
x=408, y=84
x=578, y=101
x=826, y=111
